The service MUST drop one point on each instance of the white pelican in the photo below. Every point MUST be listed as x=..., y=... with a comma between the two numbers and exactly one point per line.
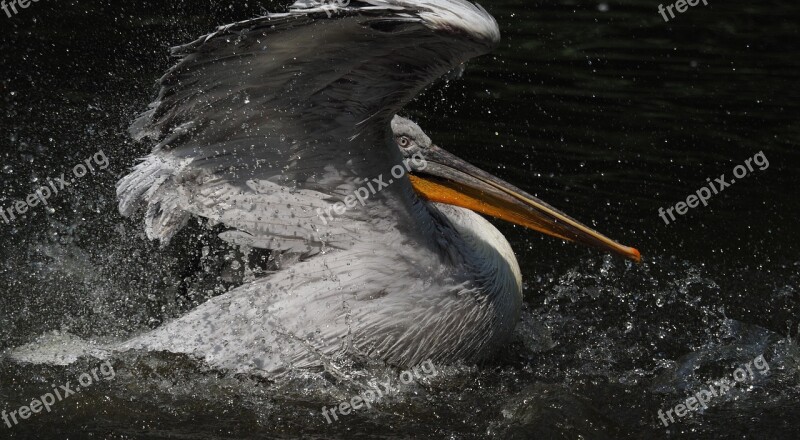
x=265, y=124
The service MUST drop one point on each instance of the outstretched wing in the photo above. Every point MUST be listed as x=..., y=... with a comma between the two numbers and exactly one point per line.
x=263, y=122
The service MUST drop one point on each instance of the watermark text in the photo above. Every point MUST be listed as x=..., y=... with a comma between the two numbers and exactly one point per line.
x=719, y=184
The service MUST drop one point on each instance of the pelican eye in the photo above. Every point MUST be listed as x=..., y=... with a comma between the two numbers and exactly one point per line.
x=403, y=142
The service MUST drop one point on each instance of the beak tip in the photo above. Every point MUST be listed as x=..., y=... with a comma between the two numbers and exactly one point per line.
x=635, y=255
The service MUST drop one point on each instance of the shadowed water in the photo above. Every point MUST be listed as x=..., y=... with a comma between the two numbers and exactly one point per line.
x=602, y=109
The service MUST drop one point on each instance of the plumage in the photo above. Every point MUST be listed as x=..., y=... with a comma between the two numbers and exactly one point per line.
x=293, y=103
x=283, y=129
x=270, y=127
x=262, y=123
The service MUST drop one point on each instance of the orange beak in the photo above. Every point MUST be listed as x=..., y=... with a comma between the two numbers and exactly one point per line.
x=448, y=179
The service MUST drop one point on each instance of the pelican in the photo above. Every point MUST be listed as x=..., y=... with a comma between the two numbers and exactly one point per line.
x=273, y=127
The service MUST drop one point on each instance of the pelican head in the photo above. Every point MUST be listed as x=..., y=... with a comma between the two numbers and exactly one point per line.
x=445, y=178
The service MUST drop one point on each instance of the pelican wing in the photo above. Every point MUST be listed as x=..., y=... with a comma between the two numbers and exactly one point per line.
x=265, y=122
x=287, y=321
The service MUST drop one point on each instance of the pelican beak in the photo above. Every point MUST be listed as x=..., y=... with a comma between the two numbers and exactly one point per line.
x=448, y=179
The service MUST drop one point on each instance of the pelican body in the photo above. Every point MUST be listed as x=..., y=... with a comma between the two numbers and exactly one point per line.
x=264, y=123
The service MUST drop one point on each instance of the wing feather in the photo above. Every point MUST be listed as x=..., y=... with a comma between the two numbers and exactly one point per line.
x=263, y=122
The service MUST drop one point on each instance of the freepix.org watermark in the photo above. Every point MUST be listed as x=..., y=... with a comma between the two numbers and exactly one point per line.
x=331, y=5
x=715, y=389
x=52, y=187
x=372, y=395
x=362, y=194
x=680, y=5
x=719, y=184
x=9, y=6
x=47, y=400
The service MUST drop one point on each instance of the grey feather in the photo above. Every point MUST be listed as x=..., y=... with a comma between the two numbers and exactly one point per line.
x=252, y=102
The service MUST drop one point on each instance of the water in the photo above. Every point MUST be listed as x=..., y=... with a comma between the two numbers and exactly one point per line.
x=600, y=108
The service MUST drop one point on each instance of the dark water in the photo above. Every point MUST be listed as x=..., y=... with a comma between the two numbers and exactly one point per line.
x=602, y=109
